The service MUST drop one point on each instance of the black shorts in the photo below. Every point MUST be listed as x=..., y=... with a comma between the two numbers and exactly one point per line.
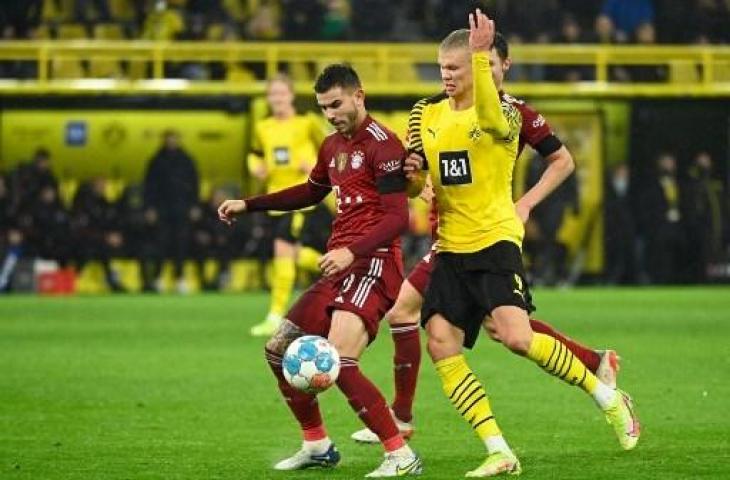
x=288, y=226
x=310, y=228
x=466, y=287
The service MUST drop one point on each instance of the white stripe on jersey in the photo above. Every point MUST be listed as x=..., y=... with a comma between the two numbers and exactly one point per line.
x=379, y=130
x=376, y=132
x=364, y=294
x=363, y=280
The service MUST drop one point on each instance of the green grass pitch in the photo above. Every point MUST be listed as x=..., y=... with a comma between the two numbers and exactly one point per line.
x=167, y=387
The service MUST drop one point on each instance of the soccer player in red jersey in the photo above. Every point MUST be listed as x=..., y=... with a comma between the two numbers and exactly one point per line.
x=362, y=162
x=404, y=317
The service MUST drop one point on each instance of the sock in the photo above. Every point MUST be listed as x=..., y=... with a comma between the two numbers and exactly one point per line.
x=406, y=361
x=467, y=395
x=282, y=283
x=308, y=259
x=303, y=405
x=590, y=358
x=368, y=403
x=554, y=357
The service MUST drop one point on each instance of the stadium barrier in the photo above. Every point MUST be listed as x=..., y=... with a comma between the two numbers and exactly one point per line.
x=134, y=67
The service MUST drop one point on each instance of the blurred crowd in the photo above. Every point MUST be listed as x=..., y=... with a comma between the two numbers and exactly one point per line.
x=160, y=220
x=546, y=21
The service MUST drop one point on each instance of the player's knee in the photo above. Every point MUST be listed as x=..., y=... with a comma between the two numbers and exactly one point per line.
x=400, y=314
x=516, y=341
x=439, y=349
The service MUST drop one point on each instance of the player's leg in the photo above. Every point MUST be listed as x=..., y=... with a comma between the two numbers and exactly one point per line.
x=349, y=335
x=513, y=328
x=603, y=363
x=403, y=318
x=452, y=319
x=307, y=316
x=283, y=272
x=468, y=396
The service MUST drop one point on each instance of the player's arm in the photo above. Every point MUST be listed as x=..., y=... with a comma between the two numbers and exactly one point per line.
x=256, y=161
x=299, y=196
x=539, y=136
x=486, y=97
x=415, y=166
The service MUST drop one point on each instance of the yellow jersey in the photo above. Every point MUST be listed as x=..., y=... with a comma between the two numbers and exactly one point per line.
x=287, y=149
x=470, y=156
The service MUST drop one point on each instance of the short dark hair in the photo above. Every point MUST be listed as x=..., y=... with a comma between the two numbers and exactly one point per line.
x=501, y=45
x=337, y=75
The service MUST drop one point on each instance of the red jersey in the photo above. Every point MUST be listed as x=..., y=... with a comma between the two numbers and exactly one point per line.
x=359, y=169
x=534, y=131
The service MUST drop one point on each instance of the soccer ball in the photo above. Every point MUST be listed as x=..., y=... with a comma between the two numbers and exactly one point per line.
x=311, y=364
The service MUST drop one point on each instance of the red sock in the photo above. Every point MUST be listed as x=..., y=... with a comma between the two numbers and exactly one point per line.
x=588, y=356
x=303, y=405
x=368, y=403
x=406, y=361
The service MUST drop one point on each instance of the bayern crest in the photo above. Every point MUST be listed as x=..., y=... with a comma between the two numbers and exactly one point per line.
x=356, y=159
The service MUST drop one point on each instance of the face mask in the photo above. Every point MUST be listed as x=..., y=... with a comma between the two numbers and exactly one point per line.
x=621, y=186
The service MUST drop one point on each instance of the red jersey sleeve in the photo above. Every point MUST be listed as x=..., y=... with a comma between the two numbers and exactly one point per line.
x=536, y=132
x=387, y=161
x=319, y=175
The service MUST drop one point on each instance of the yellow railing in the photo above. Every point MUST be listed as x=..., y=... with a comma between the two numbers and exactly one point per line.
x=387, y=69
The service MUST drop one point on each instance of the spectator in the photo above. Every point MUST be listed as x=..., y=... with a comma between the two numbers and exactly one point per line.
x=264, y=22
x=19, y=18
x=142, y=233
x=706, y=217
x=663, y=230
x=82, y=10
x=163, y=23
x=336, y=21
x=302, y=19
x=171, y=189
x=570, y=32
x=627, y=15
x=27, y=180
x=619, y=228
x=96, y=230
x=646, y=35
x=11, y=238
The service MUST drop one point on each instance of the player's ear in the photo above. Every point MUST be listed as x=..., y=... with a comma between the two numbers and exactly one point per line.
x=359, y=96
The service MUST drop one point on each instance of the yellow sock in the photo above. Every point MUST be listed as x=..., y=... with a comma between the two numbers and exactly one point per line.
x=308, y=259
x=282, y=283
x=555, y=358
x=467, y=395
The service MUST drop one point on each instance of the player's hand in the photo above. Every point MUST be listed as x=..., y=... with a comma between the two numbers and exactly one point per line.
x=336, y=261
x=523, y=211
x=481, y=32
x=229, y=209
x=413, y=165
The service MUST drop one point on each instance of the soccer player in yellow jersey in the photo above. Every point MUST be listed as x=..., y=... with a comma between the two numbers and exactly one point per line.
x=470, y=141
x=283, y=152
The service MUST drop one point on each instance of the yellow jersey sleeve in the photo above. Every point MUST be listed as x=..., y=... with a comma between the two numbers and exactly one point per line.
x=487, y=103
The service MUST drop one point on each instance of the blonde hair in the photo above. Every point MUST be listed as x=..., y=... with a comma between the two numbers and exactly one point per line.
x=456, y=39
x=283, y=78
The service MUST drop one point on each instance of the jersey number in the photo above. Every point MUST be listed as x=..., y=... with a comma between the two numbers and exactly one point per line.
x=455, y=168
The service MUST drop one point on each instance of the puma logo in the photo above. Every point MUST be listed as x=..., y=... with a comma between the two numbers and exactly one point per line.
x=432, y=132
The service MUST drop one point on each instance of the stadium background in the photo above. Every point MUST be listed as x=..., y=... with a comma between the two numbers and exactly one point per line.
x=96, y=83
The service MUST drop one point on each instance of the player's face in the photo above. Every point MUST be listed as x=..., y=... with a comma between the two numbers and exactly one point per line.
x=499, y=67
x=455, y=64
x=279, y=96
x=342, y=107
